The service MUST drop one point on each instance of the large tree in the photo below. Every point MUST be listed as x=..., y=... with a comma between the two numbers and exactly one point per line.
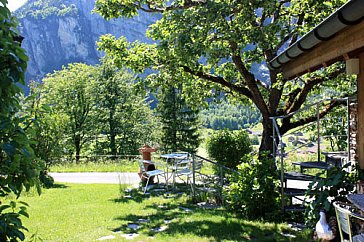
x=180, y=122
x=122, y=112
x=219, y=45
x=69, y=93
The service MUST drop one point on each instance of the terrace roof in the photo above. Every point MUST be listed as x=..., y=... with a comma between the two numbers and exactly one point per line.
x=338, y=37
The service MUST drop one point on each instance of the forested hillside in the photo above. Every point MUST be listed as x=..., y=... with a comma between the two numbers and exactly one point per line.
x=229, y=116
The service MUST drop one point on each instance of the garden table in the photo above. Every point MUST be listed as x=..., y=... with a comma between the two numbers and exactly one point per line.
x=357, y=200
x=171, y=160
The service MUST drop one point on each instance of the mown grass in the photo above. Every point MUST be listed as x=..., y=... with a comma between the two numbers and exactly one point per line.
x=108, y=166
x=112, y=166
x=73, y=212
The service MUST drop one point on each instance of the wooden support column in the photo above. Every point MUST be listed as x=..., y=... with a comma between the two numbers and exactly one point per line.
x=360, y=135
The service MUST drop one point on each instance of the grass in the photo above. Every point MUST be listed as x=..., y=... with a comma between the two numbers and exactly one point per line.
x=73, y=212
x=110, y=166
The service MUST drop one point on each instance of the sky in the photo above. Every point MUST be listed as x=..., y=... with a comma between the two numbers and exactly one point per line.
x=15, y=4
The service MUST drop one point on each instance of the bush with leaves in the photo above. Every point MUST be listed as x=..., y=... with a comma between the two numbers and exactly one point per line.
x=229, y=147
x=321, y=193
x=19, y=168
x=45, y=127
x=254, y=191
x=334, y=128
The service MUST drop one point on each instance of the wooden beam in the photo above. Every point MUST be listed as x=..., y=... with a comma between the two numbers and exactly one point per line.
x=347, y=41
x=360, y=123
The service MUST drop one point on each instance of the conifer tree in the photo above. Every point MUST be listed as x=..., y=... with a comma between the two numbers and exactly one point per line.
x=179, y=121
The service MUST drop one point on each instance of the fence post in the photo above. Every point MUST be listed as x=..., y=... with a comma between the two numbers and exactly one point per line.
x=348, y=129
x=221, y=184
x=274, y=140
x=193, y=178
x=318, y=133
x=283, y=184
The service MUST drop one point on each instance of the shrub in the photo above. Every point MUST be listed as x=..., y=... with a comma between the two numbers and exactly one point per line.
x=19, y=168
x=323, y=192
x=254, y=140
x=229, y=147
x=254, y=192
x=46, y=179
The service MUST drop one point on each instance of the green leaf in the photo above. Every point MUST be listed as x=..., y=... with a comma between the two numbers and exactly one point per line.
x=24, y=213
x=13, y=204
x=4, y=207
x=8, y=148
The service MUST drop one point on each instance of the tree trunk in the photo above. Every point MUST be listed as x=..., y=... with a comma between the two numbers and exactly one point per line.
x=78, y=147
x=266, y=144
x=112, y=133
x=113, y=145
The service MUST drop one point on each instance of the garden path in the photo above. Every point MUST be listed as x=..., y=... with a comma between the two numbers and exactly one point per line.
x=121, y=178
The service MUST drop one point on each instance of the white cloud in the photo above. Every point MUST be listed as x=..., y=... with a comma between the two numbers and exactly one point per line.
x=15, y=4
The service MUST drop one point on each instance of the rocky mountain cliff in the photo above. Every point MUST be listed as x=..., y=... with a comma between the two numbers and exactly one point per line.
x=59, y=32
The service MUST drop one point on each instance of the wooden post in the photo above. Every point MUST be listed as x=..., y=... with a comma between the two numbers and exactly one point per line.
x=193, y=177
x=318, y=132
x=360, y=134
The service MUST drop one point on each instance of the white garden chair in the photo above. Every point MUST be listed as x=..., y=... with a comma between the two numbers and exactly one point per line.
x=149, y=174
x=345, y=216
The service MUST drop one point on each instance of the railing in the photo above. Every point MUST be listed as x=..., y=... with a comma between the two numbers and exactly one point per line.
x=275, y=148
x=277, y=134
x=221, y=175
x=277, y=137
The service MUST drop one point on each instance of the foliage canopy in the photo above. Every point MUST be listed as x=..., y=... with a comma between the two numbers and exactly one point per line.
x=19, y=167
x=225, y=45
x=94, y=108
x=180, y=122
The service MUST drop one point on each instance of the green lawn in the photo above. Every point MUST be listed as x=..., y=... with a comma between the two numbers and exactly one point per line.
x=121, y=166
x=73, y=212
x=112, y=166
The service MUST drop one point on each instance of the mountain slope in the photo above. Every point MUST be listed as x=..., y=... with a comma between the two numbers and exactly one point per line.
x=60, y=32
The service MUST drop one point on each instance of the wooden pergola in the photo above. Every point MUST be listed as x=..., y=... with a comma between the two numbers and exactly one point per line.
x=340, y=37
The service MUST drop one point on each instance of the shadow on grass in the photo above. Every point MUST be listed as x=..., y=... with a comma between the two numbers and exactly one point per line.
x=136, y=195
x=179, y=219
x=58, y=186
x=208, y=224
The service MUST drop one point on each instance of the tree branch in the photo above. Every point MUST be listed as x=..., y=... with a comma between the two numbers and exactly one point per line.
x=288, y=125
x=299, y=22
x=280, y=44
x=257, y=97
x=187, y=4
x=219, y=80
x=293, y=35
x=263, y=85
x=296, y=103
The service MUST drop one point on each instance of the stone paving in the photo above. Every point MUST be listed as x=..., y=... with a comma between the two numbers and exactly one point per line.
x=141, y=223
